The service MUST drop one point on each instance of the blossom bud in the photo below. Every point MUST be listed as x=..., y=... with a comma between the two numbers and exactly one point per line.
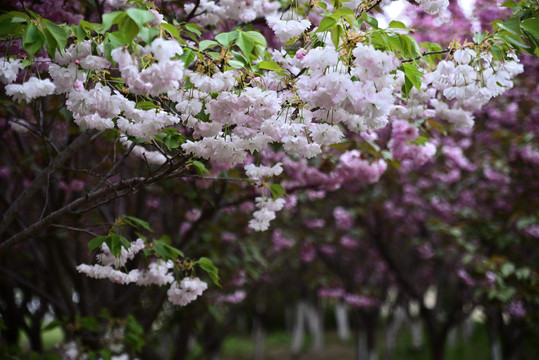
x=300, y=54
x=158, y=18
x=77, y=85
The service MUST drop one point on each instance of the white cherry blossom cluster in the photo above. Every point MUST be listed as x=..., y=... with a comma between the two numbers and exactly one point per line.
x=186, y=291
x=9, y=68
x=258, y=172
x=469, y=82
x=161, y=77
x=157, y=273
x=211, y=12
x=31, y=89
x=433, y=6
x=287, y=29
x=265, y=212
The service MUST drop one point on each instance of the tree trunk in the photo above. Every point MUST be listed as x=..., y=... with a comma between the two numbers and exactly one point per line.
x=298, y=330
x=365, y=348
x=314, y=322
x=341, y=318
x=259, y=339
x=181, y=343
x=437, y=345
x=416, y=330
x=395, y=322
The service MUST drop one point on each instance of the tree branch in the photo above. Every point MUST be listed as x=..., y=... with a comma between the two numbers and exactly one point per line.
x=122, y=188
x=30, y=191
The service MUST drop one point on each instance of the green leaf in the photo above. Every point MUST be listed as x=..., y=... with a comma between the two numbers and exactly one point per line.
x=479, y=37
x=187, y=57
x=207, y=265
x=173, y=141
x=128, y=28
x=140, y=223
x=194, y=28
x=369, y=20
x=412, y=77
x=431, y=46
x=148, y=34
x=18, y=17
x=205, y=44
x=326, y=24
x=437, y=126
x=161, y=249
x=50, y=43
x=112, y=18
x=139, y=16
x=174, y=252
x=510, y=4
x=10, y=28
x=270, y=65
x=511, y=25
x=112, y=41
x=342, y=12
x=420, y=141
x=514, y=40
x=410, y=46
x=200, y=168
x=134, y=334
x=507, y=269
x=114, y=243
x=171, y=30
x=395, y=43
x=52, y=325
x=96, y=242
x=87, y=26
x=236, y=64
x=60, y=34
x=146, y=105
x=80, y=33
x=126, y=244
x=225, y=38
x=32, y=40
x=245, y=43
x=259, y=50
x=106, y=354
x=505, y=294
x=277, y=190
x=531, y=25
x=397, y=25
x=257, y=37
x=336, y=33
x=89, y=323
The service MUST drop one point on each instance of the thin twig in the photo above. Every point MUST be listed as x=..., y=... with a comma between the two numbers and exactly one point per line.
x=426, y=53
x=372, y=6
x=59, y=226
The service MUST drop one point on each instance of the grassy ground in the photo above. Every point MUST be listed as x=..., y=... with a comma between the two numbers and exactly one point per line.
x=277, y=347
x=278, y=344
